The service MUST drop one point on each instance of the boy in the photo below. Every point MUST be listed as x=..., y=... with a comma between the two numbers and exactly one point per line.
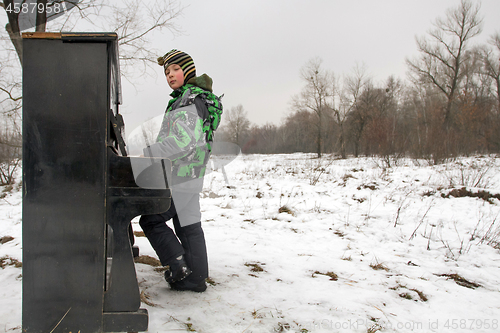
x=185, y=137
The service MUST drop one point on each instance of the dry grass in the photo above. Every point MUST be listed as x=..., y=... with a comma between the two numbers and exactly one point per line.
x=255, y=267
x=148, y=261
x=145, y=299
x=8, y=261
x=463, y=192
x=332, y=275
x=287, y=210
x=6, y=239
x=409, y=296
x=461, y=281
x=420, y=294
x=339, y=233
x=211, y=281
x=379, y=267
x=406, y=296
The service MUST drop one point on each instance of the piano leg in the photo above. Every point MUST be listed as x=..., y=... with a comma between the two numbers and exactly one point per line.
x=123, y=293
x=122, y=299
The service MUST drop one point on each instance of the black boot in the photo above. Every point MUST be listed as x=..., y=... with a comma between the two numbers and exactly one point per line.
x=177, y=270
x=195, y=251
x=186, y=285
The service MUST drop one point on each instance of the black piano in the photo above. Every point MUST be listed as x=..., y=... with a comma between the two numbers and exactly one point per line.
x=79, y=191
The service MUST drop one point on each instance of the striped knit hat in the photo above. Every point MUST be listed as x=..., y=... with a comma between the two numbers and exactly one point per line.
x=182, y=59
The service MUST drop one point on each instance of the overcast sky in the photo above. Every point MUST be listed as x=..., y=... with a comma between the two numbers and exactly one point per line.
x=254, y=49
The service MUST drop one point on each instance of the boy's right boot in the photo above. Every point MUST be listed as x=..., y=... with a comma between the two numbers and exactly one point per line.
x=178, y=270
x=186, y=285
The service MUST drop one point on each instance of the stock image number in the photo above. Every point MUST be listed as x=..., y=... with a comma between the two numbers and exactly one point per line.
x=472, y=324
x=32, y=8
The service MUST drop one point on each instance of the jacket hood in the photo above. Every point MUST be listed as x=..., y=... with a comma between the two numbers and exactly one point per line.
x=204, y=82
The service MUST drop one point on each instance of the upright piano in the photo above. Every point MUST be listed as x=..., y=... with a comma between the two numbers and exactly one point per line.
x=79, y=191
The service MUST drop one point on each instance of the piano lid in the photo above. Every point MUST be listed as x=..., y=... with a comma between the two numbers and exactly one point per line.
x=73, y=36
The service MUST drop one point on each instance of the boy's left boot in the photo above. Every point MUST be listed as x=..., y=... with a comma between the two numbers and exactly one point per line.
x=178, y=270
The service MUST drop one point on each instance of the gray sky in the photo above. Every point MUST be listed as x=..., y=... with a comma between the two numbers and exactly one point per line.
x=254, y=49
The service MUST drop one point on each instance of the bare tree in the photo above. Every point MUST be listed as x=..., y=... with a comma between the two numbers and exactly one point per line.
x=316, y=96
x=360, y=117
x=10, y=90
x=491, y=63
x=349, y=92
x=446, y=50
x=132, y=20
x=10, y=154
x=263, y=139
x=237, y=124
x=298, y=132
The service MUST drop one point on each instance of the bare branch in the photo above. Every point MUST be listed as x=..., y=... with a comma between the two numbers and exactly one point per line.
x=10, y=95
x=444, y=59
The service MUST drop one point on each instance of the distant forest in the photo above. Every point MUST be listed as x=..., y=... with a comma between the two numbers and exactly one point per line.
x=449, y=106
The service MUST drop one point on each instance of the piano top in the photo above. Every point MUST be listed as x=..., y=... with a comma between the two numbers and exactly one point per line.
x=73, y=36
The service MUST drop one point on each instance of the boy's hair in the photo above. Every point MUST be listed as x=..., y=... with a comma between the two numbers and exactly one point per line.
x=180, y=58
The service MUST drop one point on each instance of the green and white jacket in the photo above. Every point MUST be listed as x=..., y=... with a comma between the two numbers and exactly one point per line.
x=186, y=133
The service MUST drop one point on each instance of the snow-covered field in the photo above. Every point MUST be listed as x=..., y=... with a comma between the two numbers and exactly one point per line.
x=305, y=245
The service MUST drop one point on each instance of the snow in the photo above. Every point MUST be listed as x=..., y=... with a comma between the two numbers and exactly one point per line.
x=361, y=248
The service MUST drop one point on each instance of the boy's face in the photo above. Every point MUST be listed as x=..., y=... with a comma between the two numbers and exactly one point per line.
x=175, y=76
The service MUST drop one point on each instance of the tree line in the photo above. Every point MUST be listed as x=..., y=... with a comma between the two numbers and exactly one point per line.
x=448, y=106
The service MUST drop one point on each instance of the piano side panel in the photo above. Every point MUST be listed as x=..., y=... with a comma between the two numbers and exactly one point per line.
x=65, y=107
